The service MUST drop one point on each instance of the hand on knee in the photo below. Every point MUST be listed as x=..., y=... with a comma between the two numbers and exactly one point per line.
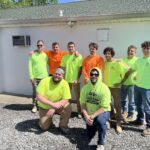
x=50, y=112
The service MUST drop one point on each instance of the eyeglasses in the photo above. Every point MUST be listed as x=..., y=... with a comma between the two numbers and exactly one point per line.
x=39, y=45
x=94, y=74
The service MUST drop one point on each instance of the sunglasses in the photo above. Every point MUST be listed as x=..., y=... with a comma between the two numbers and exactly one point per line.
x=94, y=74
x=39, y=45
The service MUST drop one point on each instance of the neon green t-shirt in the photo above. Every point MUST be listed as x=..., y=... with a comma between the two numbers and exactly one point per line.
x=38, y=65
x=53, y=92
x=95, y=96
x=114, y=72
x=142, y=67
x=130, y=62
x=72, y=64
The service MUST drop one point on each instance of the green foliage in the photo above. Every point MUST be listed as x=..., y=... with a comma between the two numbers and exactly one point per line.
x=43, y=2
x=24, y=3
x=6, y=4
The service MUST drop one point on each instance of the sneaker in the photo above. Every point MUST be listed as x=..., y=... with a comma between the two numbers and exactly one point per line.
x=107, y=125
x=137, y=123
x=79, y=116
x=146, y=132
x=64, y=130
x=129, y=119
x=100, y=147
x=118, y=129
x=34, y=109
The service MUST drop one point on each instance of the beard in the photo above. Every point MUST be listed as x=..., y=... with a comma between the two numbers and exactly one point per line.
x=93, y=81
x=56, y=81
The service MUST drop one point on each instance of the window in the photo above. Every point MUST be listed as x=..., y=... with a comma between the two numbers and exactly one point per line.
x=21, y=40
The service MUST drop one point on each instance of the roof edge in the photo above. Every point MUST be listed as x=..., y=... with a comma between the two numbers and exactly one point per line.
x=64, y=20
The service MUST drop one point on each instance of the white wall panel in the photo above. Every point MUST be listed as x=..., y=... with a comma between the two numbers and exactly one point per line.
x=14, y=59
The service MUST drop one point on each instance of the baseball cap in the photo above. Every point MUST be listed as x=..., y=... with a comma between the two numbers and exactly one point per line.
x=60, y=71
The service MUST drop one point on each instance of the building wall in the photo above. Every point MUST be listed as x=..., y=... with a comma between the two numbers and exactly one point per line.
x=14, y=60
x=1, y=66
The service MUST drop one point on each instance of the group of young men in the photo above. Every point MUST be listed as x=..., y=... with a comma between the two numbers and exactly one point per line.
x=104, y=80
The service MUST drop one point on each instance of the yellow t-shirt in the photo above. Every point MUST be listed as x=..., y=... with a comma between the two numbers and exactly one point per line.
x=131, y=79
x=114, y=72
x=142, y=66
x=53, y=92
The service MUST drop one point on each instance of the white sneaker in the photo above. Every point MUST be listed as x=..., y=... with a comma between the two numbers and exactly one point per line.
x=146, y=132
x=79, y=116
x=34, y=109
x=108, y=125
x=100, y=147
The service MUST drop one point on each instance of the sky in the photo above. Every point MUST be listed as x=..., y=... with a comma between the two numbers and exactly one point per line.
x=66, y=1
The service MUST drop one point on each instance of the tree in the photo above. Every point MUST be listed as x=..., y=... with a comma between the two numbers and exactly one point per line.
x=24, y=3
x=6, y=4
x=43, y=2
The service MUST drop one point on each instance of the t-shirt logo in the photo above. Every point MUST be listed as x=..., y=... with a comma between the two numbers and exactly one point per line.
x=92, y=98
x=112, y=67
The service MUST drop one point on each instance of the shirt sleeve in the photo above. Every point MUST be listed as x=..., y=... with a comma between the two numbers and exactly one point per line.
x=47, y=52
x=80, y=61
x=63, y=62
x=100, y=63
x=66, y=91
x=84, y=69
x=124, y=68
x=134, y=67
x=82, y=96
x=105, y=99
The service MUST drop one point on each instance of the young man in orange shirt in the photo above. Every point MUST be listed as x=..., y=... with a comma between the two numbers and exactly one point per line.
x=93, y=60
x=55, y=57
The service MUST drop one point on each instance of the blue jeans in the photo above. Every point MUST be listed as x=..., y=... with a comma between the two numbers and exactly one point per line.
x=99, y=125
x=127, y=99
x=142, y=99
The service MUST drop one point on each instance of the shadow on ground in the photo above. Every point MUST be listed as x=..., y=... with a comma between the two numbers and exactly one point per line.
x=127, y=126
x=76, y=136
x=18, y=107
x=29, y=126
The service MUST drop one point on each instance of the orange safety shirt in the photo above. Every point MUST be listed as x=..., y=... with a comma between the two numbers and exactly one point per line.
x=89, y=62
x=54, y=59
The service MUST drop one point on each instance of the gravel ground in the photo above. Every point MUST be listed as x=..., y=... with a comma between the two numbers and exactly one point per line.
x=19, y=131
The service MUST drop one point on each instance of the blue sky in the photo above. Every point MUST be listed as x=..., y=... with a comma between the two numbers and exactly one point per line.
x=66, y=1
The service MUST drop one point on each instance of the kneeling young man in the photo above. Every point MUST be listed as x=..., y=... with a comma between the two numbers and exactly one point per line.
x=53, y=94
x=95, y=102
